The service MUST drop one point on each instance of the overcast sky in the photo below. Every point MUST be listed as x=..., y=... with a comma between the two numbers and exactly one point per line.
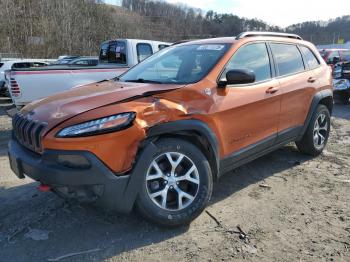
x=275, y=12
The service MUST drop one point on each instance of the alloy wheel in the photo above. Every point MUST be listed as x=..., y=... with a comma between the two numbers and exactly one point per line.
x=172, y=181
x=320, y=131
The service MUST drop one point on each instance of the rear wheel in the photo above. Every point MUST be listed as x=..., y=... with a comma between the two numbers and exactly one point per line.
x=317, y=133
x=177, y=184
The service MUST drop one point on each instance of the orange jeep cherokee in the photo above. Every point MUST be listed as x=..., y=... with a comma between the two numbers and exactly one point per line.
x=157, y=137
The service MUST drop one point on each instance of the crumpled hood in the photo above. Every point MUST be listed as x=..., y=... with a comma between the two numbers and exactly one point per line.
x=58, y=108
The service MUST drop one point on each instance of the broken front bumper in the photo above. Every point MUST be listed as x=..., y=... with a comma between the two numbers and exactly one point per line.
x=88, y=179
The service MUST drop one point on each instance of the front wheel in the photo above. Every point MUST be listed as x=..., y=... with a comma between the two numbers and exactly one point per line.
x=177, y=184
x=317, y=133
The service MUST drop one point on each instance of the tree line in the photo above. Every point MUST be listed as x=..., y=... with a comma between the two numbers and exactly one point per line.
x=321, y=32
x=49, y=28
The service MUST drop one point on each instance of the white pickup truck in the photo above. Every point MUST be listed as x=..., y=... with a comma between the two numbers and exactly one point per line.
x=8, y=64
x=115, y=57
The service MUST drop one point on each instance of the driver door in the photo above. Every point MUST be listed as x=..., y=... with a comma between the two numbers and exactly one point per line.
x=248, y=114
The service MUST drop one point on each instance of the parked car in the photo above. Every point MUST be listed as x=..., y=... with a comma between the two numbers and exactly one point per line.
x=334, y=56
x=16, y=64
x=63, y=60
x=116, y=56
x=77, y=60
x=159, y=136
x=341, y=83
x=84, y=61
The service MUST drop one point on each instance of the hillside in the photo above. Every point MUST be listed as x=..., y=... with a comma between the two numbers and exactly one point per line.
x=49, y=28
x=323, y=32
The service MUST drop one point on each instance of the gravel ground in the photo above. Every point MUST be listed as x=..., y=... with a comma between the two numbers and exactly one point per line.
x=282, y=207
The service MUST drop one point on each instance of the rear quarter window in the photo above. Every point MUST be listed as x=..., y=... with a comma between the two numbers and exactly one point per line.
x=310, y=57
x=1, y=64
x=288, y=58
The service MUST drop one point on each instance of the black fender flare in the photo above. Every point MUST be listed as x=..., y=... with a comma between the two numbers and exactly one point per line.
x=189, y=126
x=327, y=93
x=123, y=200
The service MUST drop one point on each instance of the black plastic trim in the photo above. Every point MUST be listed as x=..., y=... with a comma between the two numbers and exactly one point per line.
x=176, y=127
x=289, y=134
x=246, y=154
x=119, y=190
x=313, y=106
x=259, y=149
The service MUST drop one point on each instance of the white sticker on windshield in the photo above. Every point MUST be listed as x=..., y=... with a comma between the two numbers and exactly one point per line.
x=210, y=47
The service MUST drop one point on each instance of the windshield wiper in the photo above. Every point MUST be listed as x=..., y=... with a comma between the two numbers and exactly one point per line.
x=141, y=80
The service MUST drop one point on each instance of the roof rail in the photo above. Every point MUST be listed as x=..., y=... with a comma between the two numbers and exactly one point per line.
x=275, y=34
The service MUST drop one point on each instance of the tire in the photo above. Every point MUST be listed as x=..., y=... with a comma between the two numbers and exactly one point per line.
x=173, y=211
x=319, y=131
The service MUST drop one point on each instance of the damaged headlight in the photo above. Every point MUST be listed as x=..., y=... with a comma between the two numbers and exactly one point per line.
x=99, y=126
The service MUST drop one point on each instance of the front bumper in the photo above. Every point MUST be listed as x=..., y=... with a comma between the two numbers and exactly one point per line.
x=95, y=182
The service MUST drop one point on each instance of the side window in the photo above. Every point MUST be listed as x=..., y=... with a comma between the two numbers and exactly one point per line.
x=82, y=62
x=288, y=59
x=38, y=64
x=143, y=51
x=254, y=57
x=310, y=58
x=93, y=62
x=20, y=65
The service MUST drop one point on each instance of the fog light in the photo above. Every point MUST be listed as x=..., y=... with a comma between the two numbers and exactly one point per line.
x=73, y=161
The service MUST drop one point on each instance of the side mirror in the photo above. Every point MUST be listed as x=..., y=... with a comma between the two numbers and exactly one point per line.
x=237, y=77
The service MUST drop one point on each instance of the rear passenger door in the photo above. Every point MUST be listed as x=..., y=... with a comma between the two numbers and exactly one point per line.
x=296, y=86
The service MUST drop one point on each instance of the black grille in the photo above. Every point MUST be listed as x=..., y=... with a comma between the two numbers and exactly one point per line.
x=28, y=132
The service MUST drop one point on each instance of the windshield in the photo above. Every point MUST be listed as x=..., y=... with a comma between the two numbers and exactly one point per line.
x=177, y=65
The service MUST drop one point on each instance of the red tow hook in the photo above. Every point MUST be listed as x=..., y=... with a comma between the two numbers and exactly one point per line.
x=44, y=188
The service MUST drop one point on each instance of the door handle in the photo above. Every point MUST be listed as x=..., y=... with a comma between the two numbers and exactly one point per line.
x=272, y=90
x=311, y=79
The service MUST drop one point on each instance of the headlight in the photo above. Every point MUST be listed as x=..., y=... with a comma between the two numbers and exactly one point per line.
x=98, y=126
